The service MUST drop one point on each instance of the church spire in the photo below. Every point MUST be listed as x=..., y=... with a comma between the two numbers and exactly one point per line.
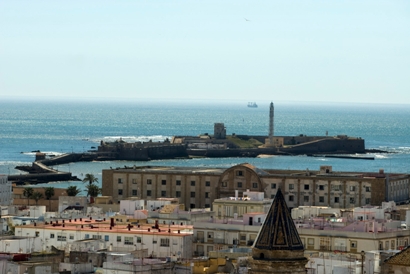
x=278, y=232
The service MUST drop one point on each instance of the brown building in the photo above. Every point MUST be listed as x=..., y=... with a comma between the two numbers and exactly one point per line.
x=198, y=187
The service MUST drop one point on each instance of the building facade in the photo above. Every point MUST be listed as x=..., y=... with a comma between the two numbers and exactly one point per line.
x=197, y=187
x=5, y=191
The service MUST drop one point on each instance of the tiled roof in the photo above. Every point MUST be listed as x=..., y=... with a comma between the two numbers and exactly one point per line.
x=401, y=258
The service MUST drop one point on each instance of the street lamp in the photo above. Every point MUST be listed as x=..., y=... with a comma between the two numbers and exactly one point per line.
x=362, y=254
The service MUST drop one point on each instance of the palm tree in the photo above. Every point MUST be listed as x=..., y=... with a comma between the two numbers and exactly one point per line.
x=49, y=192
x=73, y=191
x=93, y=190
x=37, y=196
x=28, y=193
x=90, y=178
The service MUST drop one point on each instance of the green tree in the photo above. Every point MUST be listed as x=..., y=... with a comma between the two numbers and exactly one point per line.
x=37, y=196
x=93, y=190
x=73, y=191
x=49, y=192
x=90, y=178
x=28, y=193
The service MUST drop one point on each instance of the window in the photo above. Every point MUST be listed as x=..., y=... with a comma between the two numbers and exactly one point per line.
x=178, y=182
x=97, y=237
x=71, y=237
x=139, y=240
x=134, y=181
x=119, y=191
x=239, y=184
x=291, y=198
x=87, y=236
x=352, y=188
x=207, y=205
x=306, y=187
x=255, y=185
x=291, y=186
x=52, y=236
x=118, y=239
x=351, y=200
x=148, y=192
x=106, y=238
x=192, y=206
x=306, y=198
x=206, y=194
x=61, y=238
x=272, y=196
x=149, y=181
x=367, y=201
x=367, y=188
x=154, y=241
x=134, y=192
x=128, y=240
x=207, y=183
x=192, y=194
x=164, y=182
x=119, y=180
x=224, y=184
x=178, y=194
x=239, y=173
x=336, y=199
x=353, y=244
x=273, y=186
x=321, y=187
x=321, y=199
x=336, y=187
x=163, y=193
x=192, y=183
x=164, y=242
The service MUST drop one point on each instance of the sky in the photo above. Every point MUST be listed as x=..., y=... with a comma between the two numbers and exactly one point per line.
x=309, y=51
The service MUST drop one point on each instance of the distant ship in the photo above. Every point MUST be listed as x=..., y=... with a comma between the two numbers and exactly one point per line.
x=252, y=105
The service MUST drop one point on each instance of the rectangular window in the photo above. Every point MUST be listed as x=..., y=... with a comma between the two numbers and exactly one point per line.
x=254, y=185
x=61, y=238
x=178, y=194
x=106, y=238
x=178, y=182
x=128, y=240
x=291, y=198
x=139, y=240
x=239, y=184
x=97, y=237
x=134, y=192
x=192, y=183
x=119, y=191
x=273, y=186
x=207, y=183
x=336, y=199
x=71, y=237
x=148, y=192
x=367, y=188
x=118, y=239
x=321, y=187
x=351, y=200
x=336, y=187
x=306, y=187
x=321, y=199
x=306, y=198
x=164, y=242
x=119, y=180
x=291, y=186
x=272, y=196
x=206, y=194
x=149, y=181
x=87, y=236
x=367, y=201
x=164, y=182
x=192, y=194
x=224, y=184
x=352, y=188
x=163, y=193
x=353, y=244
x=134, y=181
x=239, y=173
x=52, y=236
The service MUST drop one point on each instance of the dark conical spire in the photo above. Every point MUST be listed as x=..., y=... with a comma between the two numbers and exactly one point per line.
x=278, y=232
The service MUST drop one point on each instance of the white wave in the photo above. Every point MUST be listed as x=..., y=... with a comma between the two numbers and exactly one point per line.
x=380, y=156
x=48, y=153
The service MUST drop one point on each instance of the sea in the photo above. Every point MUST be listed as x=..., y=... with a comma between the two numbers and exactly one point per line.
x=63, y=126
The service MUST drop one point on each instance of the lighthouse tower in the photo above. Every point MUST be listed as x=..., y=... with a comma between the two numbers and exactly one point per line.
x=271, y=124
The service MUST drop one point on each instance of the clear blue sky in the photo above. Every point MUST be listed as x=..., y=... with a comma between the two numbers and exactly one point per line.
x=331, y=51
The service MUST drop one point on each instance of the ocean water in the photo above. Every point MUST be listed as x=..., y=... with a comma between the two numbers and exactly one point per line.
x=57, y=127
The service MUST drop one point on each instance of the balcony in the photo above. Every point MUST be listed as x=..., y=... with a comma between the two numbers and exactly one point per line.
x=199, y=240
